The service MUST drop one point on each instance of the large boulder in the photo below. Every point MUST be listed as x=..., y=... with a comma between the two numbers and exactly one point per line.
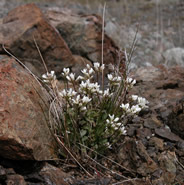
x=83, y=34
x=17, y=32
x=24, y=132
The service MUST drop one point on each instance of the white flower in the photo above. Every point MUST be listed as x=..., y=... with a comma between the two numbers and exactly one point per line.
x=63, y=93
x=111, y=117
x=86, y=99
x=91, y=71
x=66, y=71
x=96, y=66
x=77, y=100
x=130, y=82
x=116, y=119
x=88, y=66
x=70, y=77
x=49, y=77
x=123, y=130
x=83, y=108
x=134, y=97
x=44, y=76
x=114, y=80
x=52, y=73
x=68, y=93
x=135, y=109
x=110, y=77
x=142, y=102
x=83, y=85
x=125, y=106
x=118, y=79
x=106, y=92
x=80, y=78
x=84, y=71
x=102, y=67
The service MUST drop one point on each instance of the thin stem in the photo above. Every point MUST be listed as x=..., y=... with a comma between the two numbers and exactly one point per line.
x=40, y=54
x=61, y=143
x=103, y=25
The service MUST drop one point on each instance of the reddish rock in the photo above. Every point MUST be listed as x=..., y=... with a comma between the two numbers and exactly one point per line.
x=17, y=32
x=83, y=34
x=24, y=133
x=53, y=174
x=134, y=157
x=163, y=88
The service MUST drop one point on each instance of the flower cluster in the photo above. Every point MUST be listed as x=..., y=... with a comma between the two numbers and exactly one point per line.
x=114, y=122
x=94, y=115
x=142, y=102
x=48, y=78
x=114, y=80
x=130, y=82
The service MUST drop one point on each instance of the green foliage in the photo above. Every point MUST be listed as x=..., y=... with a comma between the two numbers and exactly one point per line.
x=93, y=115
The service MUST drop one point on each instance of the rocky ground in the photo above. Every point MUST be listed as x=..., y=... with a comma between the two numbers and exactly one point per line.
x=153, y=150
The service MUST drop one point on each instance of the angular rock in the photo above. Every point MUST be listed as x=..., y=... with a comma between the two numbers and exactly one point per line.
x=167, y=163
x=53, y=175
x=83, y=34
x=24, y=133
x=133, y=156
x=167, y=134
x=174, y=56
x=163, y=88
x=157, y=143
x=18, y=30
x=176, y=118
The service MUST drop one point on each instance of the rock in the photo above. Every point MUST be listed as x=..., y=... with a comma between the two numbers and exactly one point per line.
x=176, y=118
x=152, y=122
x=83, y=34
x=18, y=30
x=2, y=174
x=53, y=175
x=167, y=163
x=24, y=133
x=163, y=88
x=99, y=181
x=157, y=143
x=133, y=156
x=80, y=63
x=167, y=134
x=174, y=56
x=16, y=180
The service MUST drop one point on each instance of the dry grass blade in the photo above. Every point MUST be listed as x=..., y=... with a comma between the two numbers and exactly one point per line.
x=62, y=144
x=113, y=172
x=40, y=54
x=103, y=25
x=107, y=158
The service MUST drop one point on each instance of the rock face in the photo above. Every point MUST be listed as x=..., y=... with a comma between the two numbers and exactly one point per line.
x=24, y=134
x=160, y=129
x=18, y=30
x=83, y=34
x=174, y=56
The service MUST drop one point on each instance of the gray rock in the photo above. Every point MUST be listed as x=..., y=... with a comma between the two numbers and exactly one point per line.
x=174, y=56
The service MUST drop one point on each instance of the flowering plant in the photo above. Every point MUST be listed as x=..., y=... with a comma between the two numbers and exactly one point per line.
x=94, y=114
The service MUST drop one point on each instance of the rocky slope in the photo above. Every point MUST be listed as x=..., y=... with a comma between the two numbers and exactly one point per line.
x=153, y=150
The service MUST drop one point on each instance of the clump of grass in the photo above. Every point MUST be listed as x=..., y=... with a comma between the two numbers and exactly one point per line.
x=90, y=115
